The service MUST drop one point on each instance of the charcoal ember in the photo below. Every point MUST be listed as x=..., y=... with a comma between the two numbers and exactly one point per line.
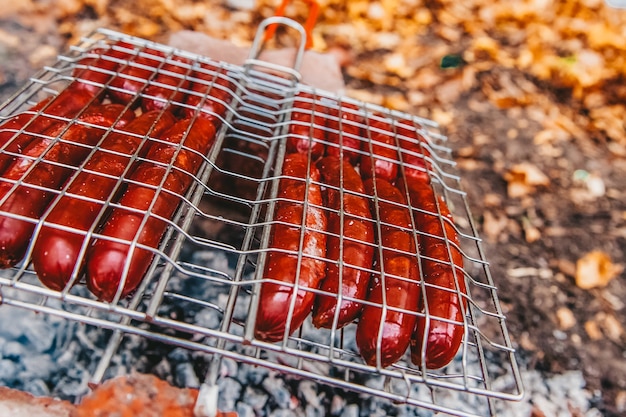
x=229, y=394
x=281, y=412
x=278, y=391
x=337, y=405
x=13, y=350
x=245, y=410
x=351, y=410
x=38, y=366
x=8, y=372
x=252, y=375
x=185, y=375
x=229, y=368
x=36, y=387
x=256, y=398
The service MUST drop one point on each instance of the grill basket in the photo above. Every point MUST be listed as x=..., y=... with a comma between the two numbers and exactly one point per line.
x=210, y=263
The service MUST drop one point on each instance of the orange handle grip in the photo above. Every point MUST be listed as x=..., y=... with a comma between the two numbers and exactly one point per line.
x=314, y=8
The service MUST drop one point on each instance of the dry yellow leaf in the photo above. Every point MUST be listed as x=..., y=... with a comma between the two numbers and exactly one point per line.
x=595, y=269
x=523, y=178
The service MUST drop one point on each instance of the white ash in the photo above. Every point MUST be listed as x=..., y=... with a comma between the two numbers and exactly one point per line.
x=46, y=355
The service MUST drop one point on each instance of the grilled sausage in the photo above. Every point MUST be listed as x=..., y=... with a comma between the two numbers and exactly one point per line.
x=50, y=173
x=299, y=201
x=135, y=76
x=384, y=330
x=57, y=253
x=118, y=266
x=439, y=334
x=380, y=159
x=93, y=72
x=168, y=86
x=350, y=249
x=210, y=93
x=344, y=132
x=415, y=154
x=306, y=129
x=47, y=113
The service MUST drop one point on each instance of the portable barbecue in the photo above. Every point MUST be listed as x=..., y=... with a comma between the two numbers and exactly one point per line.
x=228, y=209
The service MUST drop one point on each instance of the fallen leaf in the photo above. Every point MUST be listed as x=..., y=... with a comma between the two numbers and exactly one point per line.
x=522, y=179
x=595, y=269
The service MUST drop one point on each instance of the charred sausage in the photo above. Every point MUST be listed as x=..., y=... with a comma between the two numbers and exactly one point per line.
x=384, y=330
x=350, y=244
x=59, y=149
x=57, y=252
x=297, y=265
x=119, y=266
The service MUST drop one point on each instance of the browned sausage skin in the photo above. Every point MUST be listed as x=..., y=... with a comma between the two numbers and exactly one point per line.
x=299, y=200
x=438, y=334
x=57, y=252
x=350, y=248
x=59, y=148
x=118, y=267
x=385, y=327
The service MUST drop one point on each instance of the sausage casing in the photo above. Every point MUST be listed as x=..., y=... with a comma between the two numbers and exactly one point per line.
x=57, y=252
x=350, y=244
x=60, y=148
x=384, y=330
x=439, y=333
x=118, y=266
x=298, y=200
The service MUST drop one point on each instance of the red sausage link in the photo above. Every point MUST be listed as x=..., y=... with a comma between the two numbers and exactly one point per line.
x=350, y=242
x=113, y=266
x=57, y=252
x=210, y=92
x=298, y=200
x=383, y=333
x=52, y=112
x=438, y=338
x=381, y=160
x=415, y=154
x=93, y=72
x=344, y=131
x=168, y=86
x=306, y=129
x=59, y=151
x=135, y=76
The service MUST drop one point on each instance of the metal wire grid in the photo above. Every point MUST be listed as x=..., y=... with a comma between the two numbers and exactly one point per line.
x=260, y=108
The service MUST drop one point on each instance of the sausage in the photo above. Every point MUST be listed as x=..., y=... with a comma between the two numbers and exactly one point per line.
x=442, y=266
x=134, y=77
x=93, y=72
x=209, y=95
x=306, y=128
x=47, y=113
x=117, y=267
x=50, y=173
x=57, y=252
x=414, y=152
x=298, y=200
x=350, y=248
x=383, y=334
x=168, y=86
x=344, y=135
x=381, y=156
